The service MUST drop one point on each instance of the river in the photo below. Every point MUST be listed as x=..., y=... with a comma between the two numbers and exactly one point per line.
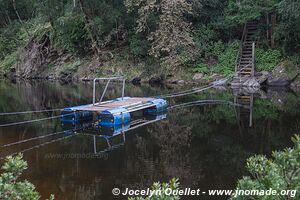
x=205, y=144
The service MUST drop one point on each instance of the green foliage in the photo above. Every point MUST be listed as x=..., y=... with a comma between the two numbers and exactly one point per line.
x=224, y=54
x=267, y=59
x=226, y=57
x=12, y=37
x=10, y=187
x=139, y=46
x=288, y=29
x=70, y=67
x=163, y=29
x=173, y=185
x=240, y=13
x=201, y=68
x=204, y=38
x=9, y=61
x=280, y=173
x=70, y=33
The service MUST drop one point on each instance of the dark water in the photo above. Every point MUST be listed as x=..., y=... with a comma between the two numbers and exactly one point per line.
x=204, y=145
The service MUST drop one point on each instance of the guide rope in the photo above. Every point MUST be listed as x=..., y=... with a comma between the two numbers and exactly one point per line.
x=38, y=146
x=35, y=138
x=194, y=90
x=29, y=112
x=34, y=120
x=199, y=102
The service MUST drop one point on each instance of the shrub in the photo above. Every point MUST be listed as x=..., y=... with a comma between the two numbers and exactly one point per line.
x=10, y=187
x=267, y=59
x=280, y=173
x=226, y=57
x=12, y=37
x=201, y=68
x=71, y=66
x=225, y=54
x=138, y=45
x=9, y=61
x=204, y=38
x=70, y=33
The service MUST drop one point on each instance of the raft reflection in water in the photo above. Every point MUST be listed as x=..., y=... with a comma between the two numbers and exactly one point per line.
x=114, y=135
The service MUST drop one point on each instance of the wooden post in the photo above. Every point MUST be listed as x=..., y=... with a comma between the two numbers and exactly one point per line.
x=253, y=58
x=251, y=110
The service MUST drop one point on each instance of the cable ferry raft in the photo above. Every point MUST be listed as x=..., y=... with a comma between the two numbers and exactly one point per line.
x=112, y=112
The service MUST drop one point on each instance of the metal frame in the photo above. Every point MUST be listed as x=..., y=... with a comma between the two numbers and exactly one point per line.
x=120, y=78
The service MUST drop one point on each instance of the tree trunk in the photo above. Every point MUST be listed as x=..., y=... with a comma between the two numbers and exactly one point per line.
x=273, y=21
x=16, y=11
x=95, y=46
x=8, y=17
x=268, y=27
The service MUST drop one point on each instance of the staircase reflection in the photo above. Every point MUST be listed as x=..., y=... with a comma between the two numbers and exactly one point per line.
x=244, y=98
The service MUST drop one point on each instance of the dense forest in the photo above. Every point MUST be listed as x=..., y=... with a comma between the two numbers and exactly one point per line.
x=142, y=37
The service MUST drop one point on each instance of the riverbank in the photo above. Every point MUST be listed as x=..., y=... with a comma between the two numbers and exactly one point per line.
x=67, y=67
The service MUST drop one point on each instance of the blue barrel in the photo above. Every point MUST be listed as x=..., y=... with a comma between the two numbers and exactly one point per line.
x=114, y=116
x=71, y=115
x=159, y=105
x=114, y=130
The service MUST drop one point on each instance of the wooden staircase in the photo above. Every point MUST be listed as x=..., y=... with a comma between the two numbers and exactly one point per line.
x=245, y=61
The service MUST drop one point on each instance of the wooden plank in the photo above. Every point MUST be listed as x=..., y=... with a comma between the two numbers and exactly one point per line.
x=135, y=103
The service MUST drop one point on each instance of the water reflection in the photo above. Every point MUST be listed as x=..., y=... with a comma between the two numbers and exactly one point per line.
x=204, y=143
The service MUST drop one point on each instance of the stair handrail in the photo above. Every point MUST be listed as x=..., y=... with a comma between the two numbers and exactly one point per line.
x=253, y=58
x=241, y=47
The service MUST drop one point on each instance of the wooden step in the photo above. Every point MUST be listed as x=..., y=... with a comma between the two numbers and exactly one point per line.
x=243, y=65
x=248, y=44
x=245, y=70
x=246, y=55
x=244, y=97
x=246, y=61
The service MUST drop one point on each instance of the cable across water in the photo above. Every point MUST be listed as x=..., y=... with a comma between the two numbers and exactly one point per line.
x=29, y=112
x=34, y=120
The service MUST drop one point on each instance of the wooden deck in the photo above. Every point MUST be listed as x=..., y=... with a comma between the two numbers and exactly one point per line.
x=132, y=104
